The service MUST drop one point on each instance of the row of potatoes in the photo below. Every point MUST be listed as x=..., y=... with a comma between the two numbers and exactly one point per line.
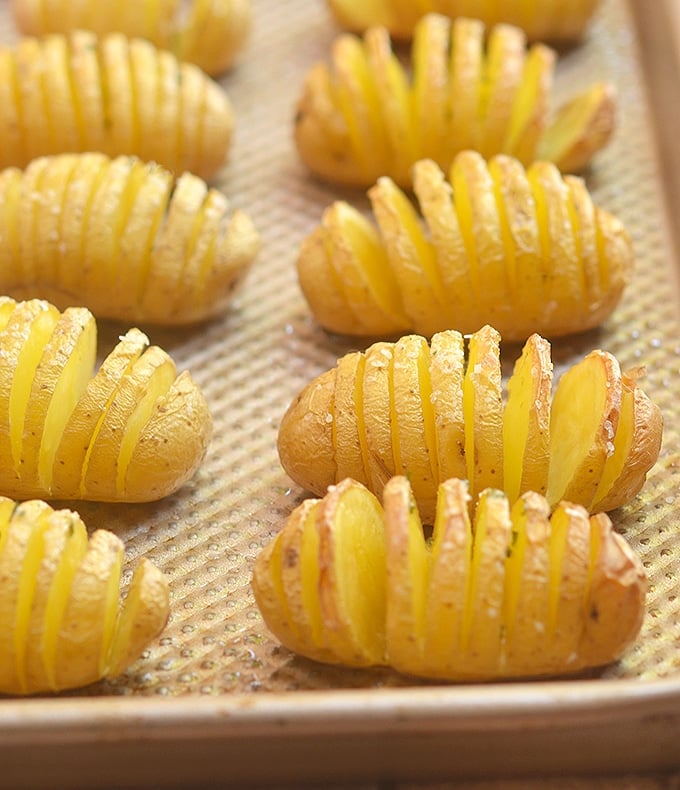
x=103, y=114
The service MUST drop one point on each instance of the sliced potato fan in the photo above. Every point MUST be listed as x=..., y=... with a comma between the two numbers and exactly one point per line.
x=525, y=250
x=363, y=115
x=552, y=20
x=122, y=237
x=132, y=431
x=208, y=33
x=62, y=624
x=513, y=592
x=433, y=412
x=77, y=92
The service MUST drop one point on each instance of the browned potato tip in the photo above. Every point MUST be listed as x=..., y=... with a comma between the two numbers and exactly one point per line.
x=518, y=592
x=543, y=20
x=364, y=115
x=61, y=94
x=134, y=431
x=122, y=237
x=525, y=250
x=62, y=625
x=433, y=412
x=209, y=34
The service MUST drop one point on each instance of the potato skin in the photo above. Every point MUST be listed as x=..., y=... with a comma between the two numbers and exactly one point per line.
x=209, y=35
x=494, y=595
x=362, y=115
x=134, y=431
x=177, y=256
x=73, y=631
x=513, y=282
x=580, y=444
x=128, y=98
x=556, y=21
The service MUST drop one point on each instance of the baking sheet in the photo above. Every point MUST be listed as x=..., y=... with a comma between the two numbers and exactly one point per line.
x=216, y=685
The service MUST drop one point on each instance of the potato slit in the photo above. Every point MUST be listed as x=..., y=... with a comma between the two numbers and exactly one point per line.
x=361, y=423
x=200, y=252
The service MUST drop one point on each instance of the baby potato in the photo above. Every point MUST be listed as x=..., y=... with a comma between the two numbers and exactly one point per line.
x=62, y=624
x=363, y=115
x=122, y=237
x=510, y=592
x=525, y=250
x=431, y=412
x=77, y=93
x=208, y=33
x=134, y=431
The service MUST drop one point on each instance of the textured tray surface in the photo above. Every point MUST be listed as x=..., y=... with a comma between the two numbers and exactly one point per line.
x=255, y=360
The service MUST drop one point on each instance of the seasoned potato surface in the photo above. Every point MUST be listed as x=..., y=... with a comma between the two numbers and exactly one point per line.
x=511, y=592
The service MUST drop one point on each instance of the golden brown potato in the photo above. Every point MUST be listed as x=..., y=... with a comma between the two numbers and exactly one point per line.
x=121, y=237
x=544, y=20
x=61, y=94
x=524, y=250
x=517, y=592
x=61, y=622
x=431, y=413
x=208, y=33
x=135, y=431
x=364, y=116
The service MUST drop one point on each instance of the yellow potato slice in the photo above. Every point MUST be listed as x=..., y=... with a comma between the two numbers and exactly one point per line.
x=527, y=579
x=615, y=603
x=379, y=414
x=413, y=430
x=636, y=446
x=23, y=340
x=142, y=617
x=89, y=617
x=431, y=106
x=20, y=559
x=148, y=379
x=483, y=412
x=407, y=561
x=411, y=256
x=60, y=379
x=352, y=547
x=393, y=93
x=57, y=536
x=582, y=429
x=449, y=579
x=83, y=426
x=435, y=196
x=483, y=626
x=300, y=578
x=465, y=83
x=447, y=366
x=526, y=421
x=580, y=128
x=271, y=597
x=569, y=582
x=171, y=244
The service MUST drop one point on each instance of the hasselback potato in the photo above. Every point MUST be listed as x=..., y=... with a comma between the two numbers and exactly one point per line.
x=61, y=94
x=133, y=431
x=542, y=20
x=208, y=33
x=364, y=115
x=62, y=624
x=434, y=412
x=122, y=237
x=511, y=592
x=524, y=250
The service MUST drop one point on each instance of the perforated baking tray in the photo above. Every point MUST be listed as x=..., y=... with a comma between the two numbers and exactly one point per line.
x=215, y=697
